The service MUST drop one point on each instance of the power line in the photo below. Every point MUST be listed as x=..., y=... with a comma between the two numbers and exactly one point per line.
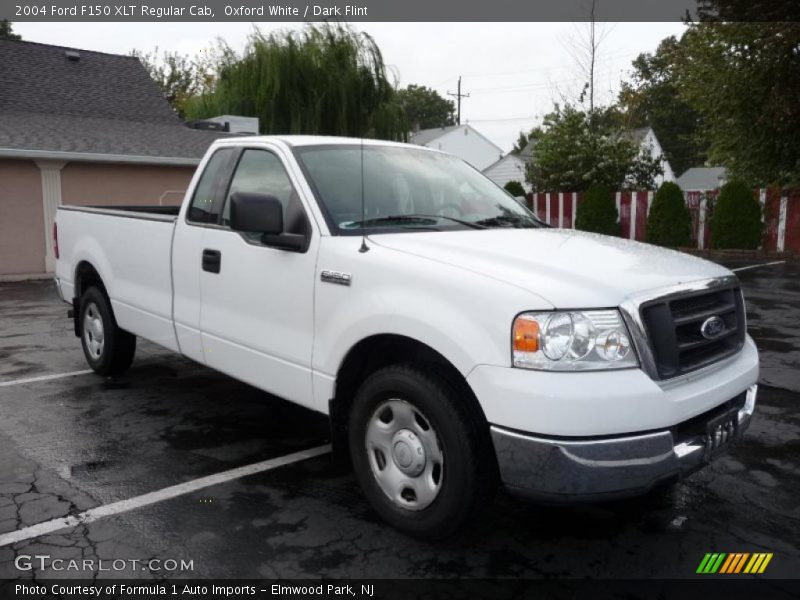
x=554, y=67
x=535, y=86
x=609, y=71
x=442, y=82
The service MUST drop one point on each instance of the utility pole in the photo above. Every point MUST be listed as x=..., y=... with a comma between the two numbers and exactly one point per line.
x=458, y=95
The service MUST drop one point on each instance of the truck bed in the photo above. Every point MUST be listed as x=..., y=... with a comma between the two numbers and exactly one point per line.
x=131, y=248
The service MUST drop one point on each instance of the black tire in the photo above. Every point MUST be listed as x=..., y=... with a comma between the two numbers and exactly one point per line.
x=115, y=354
x=469, y=469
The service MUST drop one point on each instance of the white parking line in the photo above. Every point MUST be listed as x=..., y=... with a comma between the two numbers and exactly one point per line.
x=115, y=508
x=776, y=262
x=44, y=378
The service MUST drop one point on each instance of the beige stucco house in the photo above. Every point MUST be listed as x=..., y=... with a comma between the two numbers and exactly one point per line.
x=79, y=127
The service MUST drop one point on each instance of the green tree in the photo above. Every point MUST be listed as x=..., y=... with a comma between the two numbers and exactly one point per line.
x=514, y=188
x=597, y=211
x=425, y=108
x=743, y=78
x=326, y=79
x=736, y=220
x=176, y=75
x=652, y=98
x=524, y=139
x=643, y=170
x=669, y=222
x=7, y=31
x=576, y=148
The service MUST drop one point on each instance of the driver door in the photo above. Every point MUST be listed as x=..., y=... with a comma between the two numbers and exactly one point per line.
x=257, y=301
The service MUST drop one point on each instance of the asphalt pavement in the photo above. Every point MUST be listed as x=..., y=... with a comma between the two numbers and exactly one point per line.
x=77, y=442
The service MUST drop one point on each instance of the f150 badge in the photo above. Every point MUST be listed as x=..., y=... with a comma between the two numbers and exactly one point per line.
x=336, y=277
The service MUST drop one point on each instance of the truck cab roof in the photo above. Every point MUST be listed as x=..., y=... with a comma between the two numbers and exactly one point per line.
x=311, y=140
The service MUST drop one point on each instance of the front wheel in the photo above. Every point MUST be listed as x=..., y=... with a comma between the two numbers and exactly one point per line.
x=421, y=452
x=109, y=350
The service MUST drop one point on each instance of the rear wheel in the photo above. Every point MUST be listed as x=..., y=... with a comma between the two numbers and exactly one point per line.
x=420, y=451
x=109, y=350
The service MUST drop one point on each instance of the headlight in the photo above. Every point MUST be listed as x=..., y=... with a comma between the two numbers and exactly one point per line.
x=572, y=341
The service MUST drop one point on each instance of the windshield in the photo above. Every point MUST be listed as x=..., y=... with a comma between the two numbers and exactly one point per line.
x=406, y=189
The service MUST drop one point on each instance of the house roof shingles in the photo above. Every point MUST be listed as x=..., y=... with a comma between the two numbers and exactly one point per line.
x=100, y=104
x=111, y=137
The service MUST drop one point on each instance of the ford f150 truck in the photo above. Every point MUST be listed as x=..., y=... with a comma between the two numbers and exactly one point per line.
x=454, y=340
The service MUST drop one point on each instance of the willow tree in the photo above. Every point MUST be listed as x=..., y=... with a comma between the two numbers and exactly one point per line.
x=326, y=79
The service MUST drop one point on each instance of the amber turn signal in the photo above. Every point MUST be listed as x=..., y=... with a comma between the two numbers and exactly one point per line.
x=526, y=335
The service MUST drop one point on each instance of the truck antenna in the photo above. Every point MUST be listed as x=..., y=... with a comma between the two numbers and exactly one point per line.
x=364, y=247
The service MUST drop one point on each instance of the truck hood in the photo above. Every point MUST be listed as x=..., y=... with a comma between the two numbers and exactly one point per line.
x=567, y=268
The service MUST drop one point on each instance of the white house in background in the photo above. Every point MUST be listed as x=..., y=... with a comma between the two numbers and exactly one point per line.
x=646, y=138
x=509, y=168
x=463, y=141
x=512, y=167
x=701, y=179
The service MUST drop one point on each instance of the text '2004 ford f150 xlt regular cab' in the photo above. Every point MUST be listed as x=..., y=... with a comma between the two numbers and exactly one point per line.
x=453, y=338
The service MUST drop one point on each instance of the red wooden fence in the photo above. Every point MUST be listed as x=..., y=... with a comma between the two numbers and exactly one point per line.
x=781, y=211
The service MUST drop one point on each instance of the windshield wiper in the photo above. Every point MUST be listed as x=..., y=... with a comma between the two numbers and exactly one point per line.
x=406, y=221
x=471, y=224
x=506, y=220
x=413, y=219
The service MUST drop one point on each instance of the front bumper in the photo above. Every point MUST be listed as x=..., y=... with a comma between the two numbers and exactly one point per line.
x=563, y=470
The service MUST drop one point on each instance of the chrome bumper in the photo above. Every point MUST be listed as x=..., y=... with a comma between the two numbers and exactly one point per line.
x=559, y=470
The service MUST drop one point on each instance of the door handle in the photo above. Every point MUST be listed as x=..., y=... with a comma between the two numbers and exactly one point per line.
x=212, y=260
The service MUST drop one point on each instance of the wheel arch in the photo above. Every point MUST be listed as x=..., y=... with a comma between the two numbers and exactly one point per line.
x=86, y=276
x=373, y=353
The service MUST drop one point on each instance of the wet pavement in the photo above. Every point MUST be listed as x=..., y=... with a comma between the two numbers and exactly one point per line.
x=70, y=444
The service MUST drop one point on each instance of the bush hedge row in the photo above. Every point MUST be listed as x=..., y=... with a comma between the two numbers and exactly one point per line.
x=736, y=219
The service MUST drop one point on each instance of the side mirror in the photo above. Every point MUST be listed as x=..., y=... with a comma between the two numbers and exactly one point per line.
x=263, y=213
x=256, y=213
x=522, y=200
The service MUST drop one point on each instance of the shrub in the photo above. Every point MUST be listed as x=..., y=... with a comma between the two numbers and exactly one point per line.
x=736, y=221
x=669, y=222
x=514, y=188
x=597, y=211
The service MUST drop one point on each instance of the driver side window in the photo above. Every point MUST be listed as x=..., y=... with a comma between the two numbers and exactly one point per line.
x=260, y=171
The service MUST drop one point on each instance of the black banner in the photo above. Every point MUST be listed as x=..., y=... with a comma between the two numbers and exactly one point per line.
x=405, y=11
x=731, y=588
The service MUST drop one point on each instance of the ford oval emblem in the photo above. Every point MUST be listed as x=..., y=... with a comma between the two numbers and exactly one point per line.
x=712, y=328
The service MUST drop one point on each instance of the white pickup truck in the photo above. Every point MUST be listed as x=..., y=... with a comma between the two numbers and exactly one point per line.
x=454, y=339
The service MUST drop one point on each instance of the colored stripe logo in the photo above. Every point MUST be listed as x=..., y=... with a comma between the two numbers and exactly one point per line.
x=734, y=562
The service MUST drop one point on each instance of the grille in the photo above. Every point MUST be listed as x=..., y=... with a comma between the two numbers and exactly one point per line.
x=674, y=329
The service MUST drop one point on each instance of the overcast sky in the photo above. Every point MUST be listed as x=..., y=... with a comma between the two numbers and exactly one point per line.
x=512, y=71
